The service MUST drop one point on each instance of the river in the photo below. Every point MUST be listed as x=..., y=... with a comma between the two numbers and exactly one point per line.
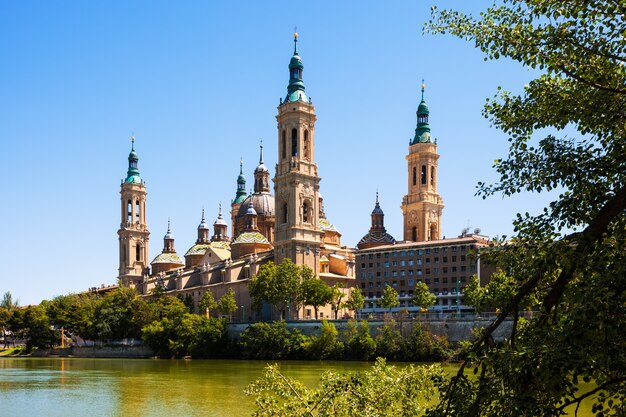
x=143, y=387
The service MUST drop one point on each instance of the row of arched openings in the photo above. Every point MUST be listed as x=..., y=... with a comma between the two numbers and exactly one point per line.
x=294, y=144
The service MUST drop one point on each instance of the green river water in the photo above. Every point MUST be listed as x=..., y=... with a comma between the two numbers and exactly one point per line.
x=143, y=387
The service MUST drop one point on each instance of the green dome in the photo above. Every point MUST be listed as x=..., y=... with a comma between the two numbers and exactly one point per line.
x=132, y=175
x=422, y=108
x=422, y=130
x=296, y=62
x=295, y=89
x=241, y=186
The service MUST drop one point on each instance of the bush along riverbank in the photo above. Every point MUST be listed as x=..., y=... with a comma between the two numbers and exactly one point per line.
x=170, y=328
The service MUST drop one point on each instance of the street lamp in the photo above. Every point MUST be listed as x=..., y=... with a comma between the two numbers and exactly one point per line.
x=458, y=307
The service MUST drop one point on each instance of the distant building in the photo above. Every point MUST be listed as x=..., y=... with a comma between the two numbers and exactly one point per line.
x=445, y=265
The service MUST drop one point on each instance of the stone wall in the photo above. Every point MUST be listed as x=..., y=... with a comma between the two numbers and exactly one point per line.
x=134, y=352
x=454, y=329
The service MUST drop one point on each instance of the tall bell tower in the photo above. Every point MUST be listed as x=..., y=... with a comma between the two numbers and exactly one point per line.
x=296, y=184
x=422, y=206
x=133, y=233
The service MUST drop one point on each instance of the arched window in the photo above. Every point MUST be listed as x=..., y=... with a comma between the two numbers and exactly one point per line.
x=137, y=211
x=307, y=151
x=414, y=234
x=414, y=176
x=294, y=142
x=285, y=213
x=433, y=231
x=138, y=252
x=124, y=254
x=284, y=147
x=305, y=212
x=129, y=211
x=432, y=176
x=423, y=174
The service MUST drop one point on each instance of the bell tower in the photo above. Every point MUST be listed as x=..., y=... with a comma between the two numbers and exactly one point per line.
x=422, y=206
x=296, y=184
x=133, y=233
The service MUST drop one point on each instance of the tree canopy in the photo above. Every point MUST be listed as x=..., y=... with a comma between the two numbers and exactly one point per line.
x=567, y=260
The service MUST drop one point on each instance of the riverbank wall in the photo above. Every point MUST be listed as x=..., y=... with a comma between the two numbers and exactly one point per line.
x=455, y=330
x=130, y=352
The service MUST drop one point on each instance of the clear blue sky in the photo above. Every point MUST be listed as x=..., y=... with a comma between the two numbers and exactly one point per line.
x=198, y=83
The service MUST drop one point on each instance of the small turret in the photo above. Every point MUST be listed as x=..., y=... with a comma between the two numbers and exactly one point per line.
x=377, y=235
x=203, y=231
x=220, y=228
x=168, y=259
x=295, y=89
x=132, y=176
x=422, y=130
x=261, y=175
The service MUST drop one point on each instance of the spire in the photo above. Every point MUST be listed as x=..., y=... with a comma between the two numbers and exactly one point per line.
x=241, y=185
x=422, y=130
x=378, y=218
x=203, y=224
x=168, y=239
x=219, y=228
x=261, y=157
x=295, y=89
x=295, y=40
x=261, y=175
x=132, y=175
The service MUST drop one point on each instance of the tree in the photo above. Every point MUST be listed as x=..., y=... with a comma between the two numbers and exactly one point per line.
x=261, y=285
x=74, y=312
x=227, y=303
x=287, y=285
x=316, y=293
x=8, y=302
x=5, y=316
x=422, y=297
x=355, y=300
x=277, y=285
x=569, y=258
x=207, y=303
x=390, y=298
x=355, y=394
x=337, y=296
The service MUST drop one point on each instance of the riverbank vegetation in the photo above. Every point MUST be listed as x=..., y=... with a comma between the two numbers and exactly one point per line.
x=171, y=329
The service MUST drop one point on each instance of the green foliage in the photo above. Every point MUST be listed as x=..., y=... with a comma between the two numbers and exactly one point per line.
x=327, y=345
x=336, y=297
x=277, y=285
x=422, y=297
x=261, y=284
x=355, y=300
x=187, y=300
x=115, y=315
x=360, y=344
x=268, y=341
x=389, y=298
x=74, y=312
x=389, y=342
x=496, y=295
x=207, y=303
x=227, y=304
x=8, y=301
x=568, y=259
x=33, y=324
x=424, y=346
x=316, y=293
x=383, y=390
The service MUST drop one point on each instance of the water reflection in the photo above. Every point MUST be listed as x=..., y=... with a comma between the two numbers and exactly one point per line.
x=142, y=387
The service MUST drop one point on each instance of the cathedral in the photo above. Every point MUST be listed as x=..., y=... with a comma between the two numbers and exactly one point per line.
x=291, y=223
